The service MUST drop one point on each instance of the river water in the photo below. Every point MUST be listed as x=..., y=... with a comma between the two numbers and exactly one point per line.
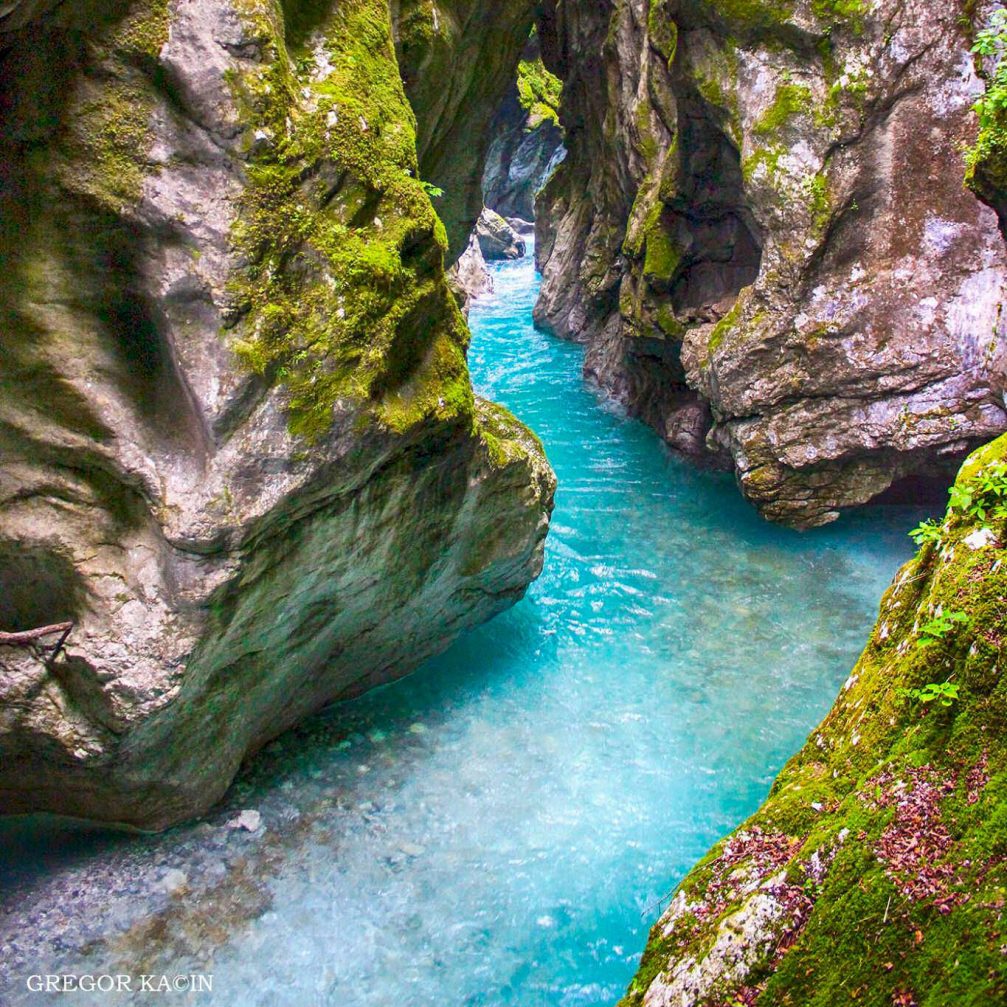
x=503, y=826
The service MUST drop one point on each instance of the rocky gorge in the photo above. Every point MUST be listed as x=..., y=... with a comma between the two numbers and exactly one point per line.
x=244, y=464
x=762, y=236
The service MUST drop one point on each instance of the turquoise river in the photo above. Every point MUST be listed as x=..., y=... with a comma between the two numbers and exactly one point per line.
x=503, y=826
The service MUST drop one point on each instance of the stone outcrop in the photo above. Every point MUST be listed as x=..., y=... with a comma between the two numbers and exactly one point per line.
x=469, y=276
x=458, y=59
x=497, y=239
x=240, y=447
x=875, y=871
x=527, y=142
x=762, y=236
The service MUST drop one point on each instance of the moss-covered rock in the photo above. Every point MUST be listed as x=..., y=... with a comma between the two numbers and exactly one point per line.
x=458, y=59
x=241, y=450
x=876, y=870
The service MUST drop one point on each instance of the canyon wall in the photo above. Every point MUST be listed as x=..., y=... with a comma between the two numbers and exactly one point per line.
x=458, y=59
x=762, y=236
x=527, y=142
x=240, y=448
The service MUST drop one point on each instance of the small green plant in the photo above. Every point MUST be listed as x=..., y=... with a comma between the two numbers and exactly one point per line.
x=432, y=190
x=991, y=45
x=937, y=628
x=944, y=693
x=926, y=531
x=983, y=497
x=992, y=39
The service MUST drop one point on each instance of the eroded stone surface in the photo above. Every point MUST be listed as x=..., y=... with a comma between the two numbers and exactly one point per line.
x=497, y=239
x=240, y=448
x=762, y=235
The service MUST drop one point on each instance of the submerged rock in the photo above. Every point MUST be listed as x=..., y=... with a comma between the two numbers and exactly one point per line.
x=876, y=868
x=497, y=239
x=240, y=447
x=762, y=235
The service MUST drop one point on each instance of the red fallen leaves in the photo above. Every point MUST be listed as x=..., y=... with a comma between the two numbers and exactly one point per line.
x=747, y=996
x=977, y=778
x=915, y=846
x=764, y=852
x=903, y=998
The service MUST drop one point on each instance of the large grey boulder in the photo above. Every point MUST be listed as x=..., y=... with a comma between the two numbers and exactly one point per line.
x=497, y=239
x=240, y=450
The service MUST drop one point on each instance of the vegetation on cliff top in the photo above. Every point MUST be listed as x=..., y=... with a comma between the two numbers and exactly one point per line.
x=876, y=871
x=539, y=92
x=986, y=162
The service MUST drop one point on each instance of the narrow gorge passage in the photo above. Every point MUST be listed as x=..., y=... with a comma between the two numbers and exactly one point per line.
x=500, y=827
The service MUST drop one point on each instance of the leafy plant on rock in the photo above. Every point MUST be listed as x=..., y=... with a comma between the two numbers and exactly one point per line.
x=940, y=626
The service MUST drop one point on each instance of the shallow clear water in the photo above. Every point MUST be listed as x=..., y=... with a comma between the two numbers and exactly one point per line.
x=501, y=827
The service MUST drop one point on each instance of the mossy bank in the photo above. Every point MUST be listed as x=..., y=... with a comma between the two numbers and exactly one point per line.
x=876, y=870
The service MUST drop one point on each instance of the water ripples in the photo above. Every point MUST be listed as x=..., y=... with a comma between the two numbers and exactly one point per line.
x=500, y=828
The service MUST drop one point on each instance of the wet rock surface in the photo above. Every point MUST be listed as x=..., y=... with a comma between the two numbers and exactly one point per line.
x=497, y=239
x=762, y=235
x=527, y=140
x=240, y=447
x=470, y=276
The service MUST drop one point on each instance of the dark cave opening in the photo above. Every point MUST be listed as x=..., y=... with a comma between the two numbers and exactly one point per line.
x=719, y=238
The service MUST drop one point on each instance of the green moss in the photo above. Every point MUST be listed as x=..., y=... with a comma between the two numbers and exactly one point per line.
x=753, y=14
x=342, y=297
x=986, y=160
x=663, y=30
x=109, y=131
x=838, y=13
x=734, y=321
x=892, y=817
x=646, y=142
x=662, y=255
x=816, y=188
x=790, y=101
x=767, y=158
x=715, y=76
x=539, y=92
x=723, y=327
x=669, y=324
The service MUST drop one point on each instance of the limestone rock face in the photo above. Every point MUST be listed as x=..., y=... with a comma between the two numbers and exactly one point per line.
x=458, y=59
x=876, y=867
x=527, y=142
x=239, y=444
x=520, y=162
x=470, y=276
x=762, y=235
x=497, y=239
